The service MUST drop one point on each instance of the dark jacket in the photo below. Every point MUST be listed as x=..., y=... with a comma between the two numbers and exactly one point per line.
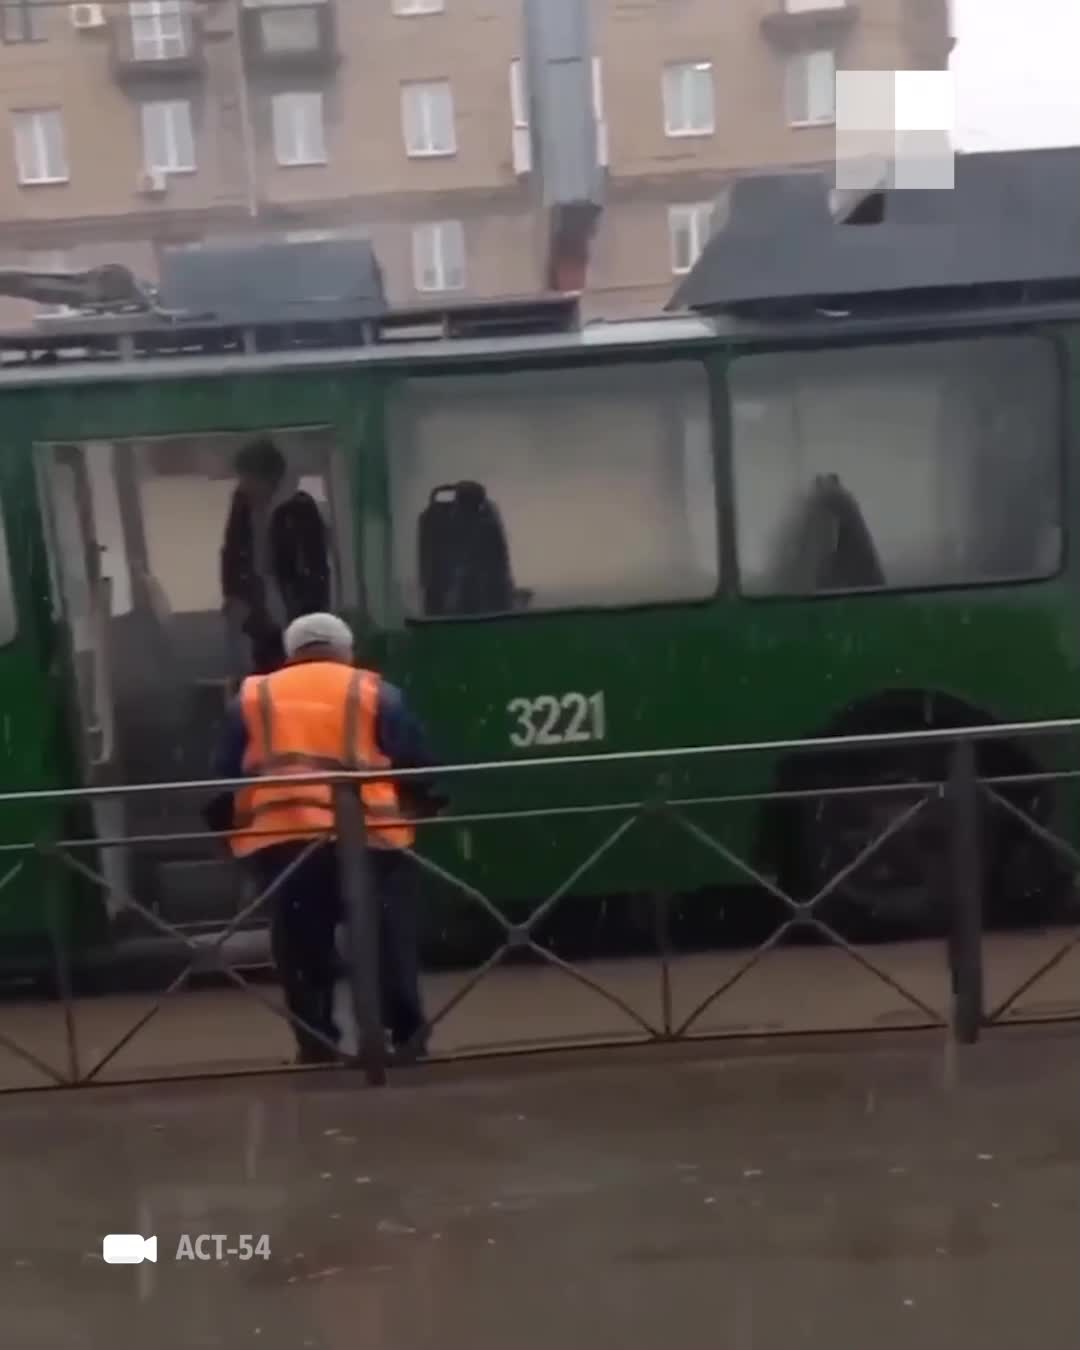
x=397, y=734
x=299, y=556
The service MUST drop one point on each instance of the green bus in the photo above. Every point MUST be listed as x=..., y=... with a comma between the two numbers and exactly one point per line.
x=561, y=540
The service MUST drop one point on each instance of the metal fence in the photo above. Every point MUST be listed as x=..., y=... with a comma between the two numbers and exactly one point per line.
x=964, y=804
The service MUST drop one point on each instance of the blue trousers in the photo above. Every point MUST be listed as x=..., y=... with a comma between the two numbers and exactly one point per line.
x=304, y=912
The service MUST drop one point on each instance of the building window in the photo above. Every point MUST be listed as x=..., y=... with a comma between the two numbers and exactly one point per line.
x=22, y=21
x=688, y=99
x=427, y=115
x=618, y=459
x=598, y=113
x=937, y=496
x=811, y=88
x=289, y=30
x=689, y=228
x=299, y=129
x=405, y=7
x=40, y=149
x=168, y=138
x=438, y=251
x=157, y=30
x=520, y=136
x=519, y=101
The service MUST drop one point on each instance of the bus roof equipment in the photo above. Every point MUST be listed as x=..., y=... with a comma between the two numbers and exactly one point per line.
x=1009, y=227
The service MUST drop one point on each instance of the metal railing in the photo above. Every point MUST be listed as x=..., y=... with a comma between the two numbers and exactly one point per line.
x=960, y=799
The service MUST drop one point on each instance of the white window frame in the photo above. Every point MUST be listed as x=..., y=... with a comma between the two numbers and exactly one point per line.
x=696, y=219
x=29, y=129
x=602, y=153
x=432, y=243
x=677, y=98
x=169, y=123
x=519, y=103
x=157, y=30
x=23, y=21
x=418, y=102
x=294, y=147
x=801, y=70
x=308, y=12
x=407, y=9
x=520, y=135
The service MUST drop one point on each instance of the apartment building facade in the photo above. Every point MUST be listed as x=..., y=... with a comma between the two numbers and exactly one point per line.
x=133, y=125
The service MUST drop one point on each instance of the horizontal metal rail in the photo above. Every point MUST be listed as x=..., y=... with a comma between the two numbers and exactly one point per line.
x=831, y=745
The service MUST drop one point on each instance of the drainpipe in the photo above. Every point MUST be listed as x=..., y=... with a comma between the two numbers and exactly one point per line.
x=247, y=132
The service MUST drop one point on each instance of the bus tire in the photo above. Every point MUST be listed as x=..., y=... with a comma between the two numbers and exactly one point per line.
x=905, y=886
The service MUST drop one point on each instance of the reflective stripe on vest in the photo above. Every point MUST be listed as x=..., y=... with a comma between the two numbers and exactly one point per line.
x=329, y=707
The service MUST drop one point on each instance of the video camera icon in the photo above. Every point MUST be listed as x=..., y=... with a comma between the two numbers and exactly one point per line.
x=128, y=1249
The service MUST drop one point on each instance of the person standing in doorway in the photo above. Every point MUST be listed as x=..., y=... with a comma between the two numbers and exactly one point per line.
x=275, y=559
x=316, y=714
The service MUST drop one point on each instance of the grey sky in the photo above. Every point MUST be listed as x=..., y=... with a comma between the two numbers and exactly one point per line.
x=1016, y=73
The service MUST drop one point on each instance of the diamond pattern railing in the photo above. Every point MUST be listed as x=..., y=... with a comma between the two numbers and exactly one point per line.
x=965, y=801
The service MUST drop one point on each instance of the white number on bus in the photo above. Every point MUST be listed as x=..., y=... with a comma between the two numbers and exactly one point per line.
x=565, y=719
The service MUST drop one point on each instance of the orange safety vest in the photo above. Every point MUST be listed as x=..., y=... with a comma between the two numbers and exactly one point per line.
x=312, y=717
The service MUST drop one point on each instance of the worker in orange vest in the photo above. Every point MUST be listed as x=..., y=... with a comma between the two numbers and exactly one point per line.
x=318, y=712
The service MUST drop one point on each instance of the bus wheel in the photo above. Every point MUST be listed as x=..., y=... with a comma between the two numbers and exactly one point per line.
x=902, y=883
x=905, y=884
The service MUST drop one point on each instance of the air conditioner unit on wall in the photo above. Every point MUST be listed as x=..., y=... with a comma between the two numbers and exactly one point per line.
x=152, y=183
x=87, y=16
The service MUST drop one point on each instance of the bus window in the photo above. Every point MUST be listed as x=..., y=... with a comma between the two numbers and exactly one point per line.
x=946, y=453
x=8, y=615
x=551, y=489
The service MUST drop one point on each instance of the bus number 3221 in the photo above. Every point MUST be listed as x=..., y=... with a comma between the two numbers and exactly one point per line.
x=557, y=719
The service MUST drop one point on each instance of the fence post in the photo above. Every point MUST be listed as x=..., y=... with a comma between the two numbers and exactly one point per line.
x=362, y=927
x=64, y=991
x=662, y=933
x=965, y=875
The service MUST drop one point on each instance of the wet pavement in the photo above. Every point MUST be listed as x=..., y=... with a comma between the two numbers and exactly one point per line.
x=692, y=1197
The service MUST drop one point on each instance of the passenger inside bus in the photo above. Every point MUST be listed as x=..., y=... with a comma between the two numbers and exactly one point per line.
x=464, y=559
x=834, y=549
x=275, y=558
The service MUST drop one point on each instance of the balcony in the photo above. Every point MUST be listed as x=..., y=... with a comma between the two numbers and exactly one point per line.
x=289, y=36
x=155, y=39
x=799, y=23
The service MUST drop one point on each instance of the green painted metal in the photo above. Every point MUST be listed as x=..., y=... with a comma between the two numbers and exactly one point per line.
x=727, y=670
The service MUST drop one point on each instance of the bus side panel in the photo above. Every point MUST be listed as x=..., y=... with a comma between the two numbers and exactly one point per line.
x=36, y=748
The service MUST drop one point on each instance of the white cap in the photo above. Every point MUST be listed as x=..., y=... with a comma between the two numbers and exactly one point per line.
x=319, y=630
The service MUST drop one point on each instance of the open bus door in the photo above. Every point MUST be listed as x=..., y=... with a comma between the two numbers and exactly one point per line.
x=136, y=529
x=83, y=603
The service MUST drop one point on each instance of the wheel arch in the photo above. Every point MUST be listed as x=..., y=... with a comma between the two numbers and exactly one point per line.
x=893, y=710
